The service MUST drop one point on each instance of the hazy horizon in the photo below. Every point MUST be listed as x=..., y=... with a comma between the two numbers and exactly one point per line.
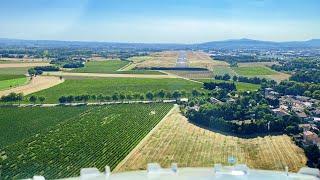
x=143, y=21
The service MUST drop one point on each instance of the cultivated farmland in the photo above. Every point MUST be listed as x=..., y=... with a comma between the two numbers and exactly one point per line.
x=253, y=71
x=178, y=141
x=241, y=86
x=17, y=124
x=108, y=66
x=109, y=86
x=96, y=137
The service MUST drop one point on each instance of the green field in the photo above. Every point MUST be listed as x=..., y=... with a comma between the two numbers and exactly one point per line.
x=241, y=86
x=109, y=86
x=18, y=70
x=110, y=67
x=11, y=80
x=253, y=71
x=221, y=70
x=99, y=136
x=17, y=124
x=6, y=84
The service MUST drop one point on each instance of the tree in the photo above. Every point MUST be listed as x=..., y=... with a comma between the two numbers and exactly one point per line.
x=176, y=95
x=129, y=97
x=136, y=95
x=94, y=97
x=141, y=97
x=235, y=78
x=62, y=99
x=226, y=77
x=115, y=96
x=168, y=95
x=42, y=99
x=161, y=94
x=195, y=93
x=100, y=98
x=313, y=153
x=33, y=99
x=149, y=95
x=122, y=97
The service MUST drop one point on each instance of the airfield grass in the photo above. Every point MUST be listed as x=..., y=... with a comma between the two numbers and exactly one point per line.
x=109, y=86
x=241, y=86
x=176, y=140
x=222, y=70
x=110, y=67
x=76, y=137
x=254, y=71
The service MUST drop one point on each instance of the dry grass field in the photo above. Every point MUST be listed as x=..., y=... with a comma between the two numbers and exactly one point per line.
x=160, y=59
x=177, y=140
x=201, y=59
x=24, y=64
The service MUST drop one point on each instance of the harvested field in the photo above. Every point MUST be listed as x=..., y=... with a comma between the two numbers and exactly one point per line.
x=178, y=141
x=250, y=64
x=161, y=59
x=28, y=64
x=201, y=59
x=36, y=84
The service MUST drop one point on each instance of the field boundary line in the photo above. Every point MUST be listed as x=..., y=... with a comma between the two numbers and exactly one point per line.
x=170, y=74
x=175, y=106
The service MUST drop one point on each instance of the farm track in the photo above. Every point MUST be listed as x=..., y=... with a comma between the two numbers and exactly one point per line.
x=15, y=65
x=67, y=74
x=36, y=84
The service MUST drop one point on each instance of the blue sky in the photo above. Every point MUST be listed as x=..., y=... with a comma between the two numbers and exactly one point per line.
x=176, y=21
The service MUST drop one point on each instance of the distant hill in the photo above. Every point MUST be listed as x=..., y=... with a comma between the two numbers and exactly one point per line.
x=228, y=44
x=249, y=43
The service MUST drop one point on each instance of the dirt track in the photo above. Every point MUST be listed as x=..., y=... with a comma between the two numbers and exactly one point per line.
x=36, y=84
x=109, y=75
x=14, y=65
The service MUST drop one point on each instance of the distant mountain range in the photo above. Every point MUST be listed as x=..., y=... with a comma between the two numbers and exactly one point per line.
x=228, y=44
x=249, y=43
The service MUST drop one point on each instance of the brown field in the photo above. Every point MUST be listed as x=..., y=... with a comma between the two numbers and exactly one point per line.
x=201, y=59
x=160, y=59
x=15, y=60
x=177, y=141
x=36, y=84
x=25, y=64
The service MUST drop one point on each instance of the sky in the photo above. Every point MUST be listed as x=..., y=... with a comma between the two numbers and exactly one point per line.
x=160, y=21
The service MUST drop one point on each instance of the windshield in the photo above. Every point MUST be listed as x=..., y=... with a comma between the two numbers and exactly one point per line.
x=229, y=87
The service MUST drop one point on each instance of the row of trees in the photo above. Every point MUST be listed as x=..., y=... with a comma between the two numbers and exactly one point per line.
x=18, y=97
x=162, y=94
x=229, y=86
x=253, y=80
x=39, y=70
x=297, y=88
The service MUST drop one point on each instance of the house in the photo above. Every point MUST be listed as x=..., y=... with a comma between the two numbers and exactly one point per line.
x=215, y=100
x=280, y=112
x=310, y=137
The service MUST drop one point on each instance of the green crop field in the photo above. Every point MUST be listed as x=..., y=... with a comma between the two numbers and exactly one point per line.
x=16, y=70
x=221, y=70
x=253, y=71
x=99, y=136
x=109, y=86
x=20, y=123
x=11, y=80
x=5, y=84
x=110, y=67
x=241, y=86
